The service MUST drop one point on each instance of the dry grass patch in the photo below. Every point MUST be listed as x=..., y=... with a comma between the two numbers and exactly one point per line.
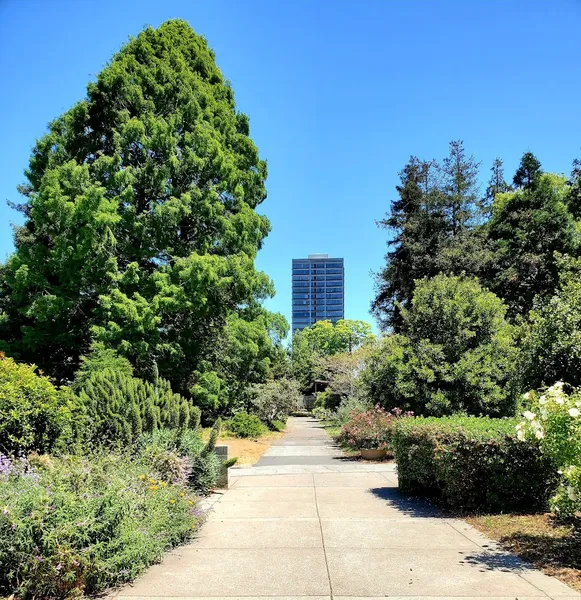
x=247, y=450
x=550, y=545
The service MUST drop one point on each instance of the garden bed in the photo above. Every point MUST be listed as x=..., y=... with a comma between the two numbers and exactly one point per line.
x=552, y=546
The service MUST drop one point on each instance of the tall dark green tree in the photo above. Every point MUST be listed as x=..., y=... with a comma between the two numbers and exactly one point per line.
x=141, y=229
x=496, y=185
x=528, y=172
x=418, y=226
x=435, y=224
x=528, y=226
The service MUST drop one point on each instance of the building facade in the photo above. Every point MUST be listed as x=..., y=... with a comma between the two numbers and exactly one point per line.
x=318, y=292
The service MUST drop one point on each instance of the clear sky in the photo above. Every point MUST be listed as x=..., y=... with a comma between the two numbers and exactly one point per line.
x=339, y=95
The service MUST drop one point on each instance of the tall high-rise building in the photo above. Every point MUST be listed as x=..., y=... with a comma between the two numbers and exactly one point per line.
x=318, y=290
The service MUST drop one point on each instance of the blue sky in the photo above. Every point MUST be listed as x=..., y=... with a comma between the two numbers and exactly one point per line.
x=339, y=95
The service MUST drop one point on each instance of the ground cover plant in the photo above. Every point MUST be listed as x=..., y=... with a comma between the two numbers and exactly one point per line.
x=71, y=526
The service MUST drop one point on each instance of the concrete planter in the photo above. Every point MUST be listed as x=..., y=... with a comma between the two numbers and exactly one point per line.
x=373, y=454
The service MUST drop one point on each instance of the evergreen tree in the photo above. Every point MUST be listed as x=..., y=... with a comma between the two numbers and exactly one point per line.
x=528, y=227
x=528, y=172
x=496, y=184
x=419, y=226
x=460, y=189
x=436, y=223
x=141, y=230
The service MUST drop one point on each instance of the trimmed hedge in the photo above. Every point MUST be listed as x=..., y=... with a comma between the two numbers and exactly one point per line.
x=472, y=463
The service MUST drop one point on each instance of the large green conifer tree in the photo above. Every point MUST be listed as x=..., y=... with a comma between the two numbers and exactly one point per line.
x=141, y=229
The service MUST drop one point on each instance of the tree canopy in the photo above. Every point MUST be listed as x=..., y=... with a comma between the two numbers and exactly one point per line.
x=455, y=353
x=141, y=229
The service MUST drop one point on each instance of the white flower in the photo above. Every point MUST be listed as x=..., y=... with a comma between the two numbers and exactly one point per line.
x=535, y=425
x=559, y=385
x=543, y=399
x=572, y=493
x=539, y=433
x=527, y=396
x=519, y=426
x=574, y=412
x=559, y=400
x=520, y=434
x=528, y=415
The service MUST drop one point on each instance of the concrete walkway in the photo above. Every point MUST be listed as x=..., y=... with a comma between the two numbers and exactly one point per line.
x=320, y=526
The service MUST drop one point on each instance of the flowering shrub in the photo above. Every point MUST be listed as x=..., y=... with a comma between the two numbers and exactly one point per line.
x=554, y=421
x=371, y=429
x=80, y=525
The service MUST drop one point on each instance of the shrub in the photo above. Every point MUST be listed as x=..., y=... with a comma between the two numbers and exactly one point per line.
x=183, y=457
x=276, y=400
x=455, y=353
x=82, y=525
x=98, y=360
x=556, y=427
x=34, y=414
x=278, y=425
x=372, y=429
x=244, y=425
x=471, y=463
x=119, y=408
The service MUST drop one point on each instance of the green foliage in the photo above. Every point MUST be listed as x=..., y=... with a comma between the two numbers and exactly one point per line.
x=243, y=425
x=34, y=414
x=141, y=229
x=80, y=525
x=555, y=425
x=471, y=463
x=275, y=400
x=119, y=408
x=98, y=360
x=528, y=227
x=552, y=344
x=277, y=425
x=325, y=339
x=435, y=220
x=303, y=360
x=455, y=354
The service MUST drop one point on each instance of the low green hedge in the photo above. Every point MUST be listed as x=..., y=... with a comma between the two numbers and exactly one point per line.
x=243, y=425
x=472, y=463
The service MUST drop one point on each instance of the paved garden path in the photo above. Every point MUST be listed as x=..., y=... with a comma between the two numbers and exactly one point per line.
x=306, y=522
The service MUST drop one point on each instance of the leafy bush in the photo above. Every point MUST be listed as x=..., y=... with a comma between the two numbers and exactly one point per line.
x=552, y=346
x=278, y=425
x=456, y=353
x=472, y=463
x=81, y=525
x=119, y=408
x=556, y=427
x=244, y=425
x=276, y=400
x=372, y=429
x=34, y=414
x=183, y=457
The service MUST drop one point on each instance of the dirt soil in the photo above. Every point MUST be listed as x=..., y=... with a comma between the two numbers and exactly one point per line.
x=248, y=451
x=553, y=546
